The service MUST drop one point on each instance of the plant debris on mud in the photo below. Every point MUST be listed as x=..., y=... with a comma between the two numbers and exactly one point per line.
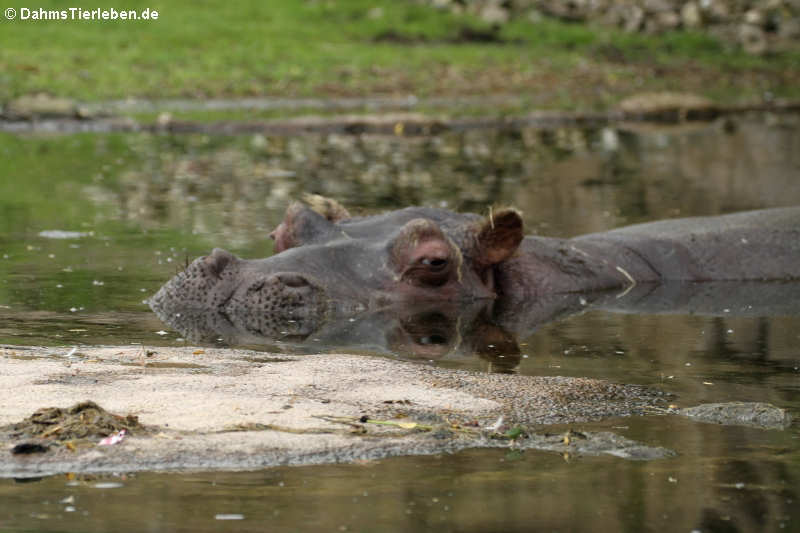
x=83, y=421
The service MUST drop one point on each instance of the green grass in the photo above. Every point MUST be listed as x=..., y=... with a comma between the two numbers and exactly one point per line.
x=295, y=48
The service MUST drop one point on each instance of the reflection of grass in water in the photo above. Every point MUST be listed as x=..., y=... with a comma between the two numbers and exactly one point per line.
x=43, y=179
x=293, y=48
x=46, y=184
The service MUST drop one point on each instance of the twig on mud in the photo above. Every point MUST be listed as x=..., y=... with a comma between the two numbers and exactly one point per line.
x=256, y=426
x=660, y=410
x=50, y=431
x=357, y=422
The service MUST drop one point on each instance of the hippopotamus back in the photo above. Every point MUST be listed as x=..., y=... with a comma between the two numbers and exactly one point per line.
x=752, y=245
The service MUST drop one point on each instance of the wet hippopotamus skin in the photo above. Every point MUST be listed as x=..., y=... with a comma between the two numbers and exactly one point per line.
x=330, y=267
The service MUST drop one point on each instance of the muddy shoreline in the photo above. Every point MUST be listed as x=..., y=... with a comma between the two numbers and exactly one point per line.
x=229, y=409
x=383, y=116
x=212, y=409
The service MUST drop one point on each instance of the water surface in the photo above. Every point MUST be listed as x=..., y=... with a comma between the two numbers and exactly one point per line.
x=142, y=205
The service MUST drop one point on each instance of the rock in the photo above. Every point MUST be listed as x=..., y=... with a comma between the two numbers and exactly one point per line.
x=656, y=6
x=691, y=16
x=40, y=105
x=669, y=106
x=571, y=10
x=754, y=414
x=715, y=11
x=780, y=19
x=84, y=112
x=663, y=21
x=535, y=16
x=755, y=18
x=595, y=443
x=752, y=39
x=27, y=448
x=771, y=4
x=494, y=13
x=633, y=18
x=627, y=16
x=789, y=29
x=164, y=119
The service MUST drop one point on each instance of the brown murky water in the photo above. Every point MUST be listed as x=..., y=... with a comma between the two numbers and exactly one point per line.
x=143, y=204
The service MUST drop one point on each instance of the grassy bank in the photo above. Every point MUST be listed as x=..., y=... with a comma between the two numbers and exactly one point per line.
x=321, y=48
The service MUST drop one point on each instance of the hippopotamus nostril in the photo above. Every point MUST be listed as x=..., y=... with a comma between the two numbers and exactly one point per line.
x=293, y=280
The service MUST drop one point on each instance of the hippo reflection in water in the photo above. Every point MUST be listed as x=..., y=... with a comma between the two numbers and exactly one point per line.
x=417, y=279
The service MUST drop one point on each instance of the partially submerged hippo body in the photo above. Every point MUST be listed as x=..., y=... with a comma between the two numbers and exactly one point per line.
x=331, y=267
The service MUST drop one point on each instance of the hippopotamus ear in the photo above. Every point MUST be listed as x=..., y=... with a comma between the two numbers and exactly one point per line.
x=327, y=207
x=498, y=237
x=217, y=261
x=301, y=225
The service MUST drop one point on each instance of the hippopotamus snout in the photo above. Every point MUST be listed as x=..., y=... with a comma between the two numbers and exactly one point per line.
x=278, y=304
x=281, y=290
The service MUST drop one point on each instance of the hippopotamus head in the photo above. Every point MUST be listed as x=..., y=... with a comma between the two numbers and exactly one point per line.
x=331, y=264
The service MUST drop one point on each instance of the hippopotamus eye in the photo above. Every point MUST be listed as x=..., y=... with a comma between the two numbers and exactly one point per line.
x=434, y=339
x=428, y=270
x=434, y=263
x=422, y=255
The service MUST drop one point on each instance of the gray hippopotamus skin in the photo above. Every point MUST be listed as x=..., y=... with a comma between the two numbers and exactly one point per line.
x=331, y=267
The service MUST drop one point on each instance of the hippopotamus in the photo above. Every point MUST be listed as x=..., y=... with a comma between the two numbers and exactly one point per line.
x=334, y=268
